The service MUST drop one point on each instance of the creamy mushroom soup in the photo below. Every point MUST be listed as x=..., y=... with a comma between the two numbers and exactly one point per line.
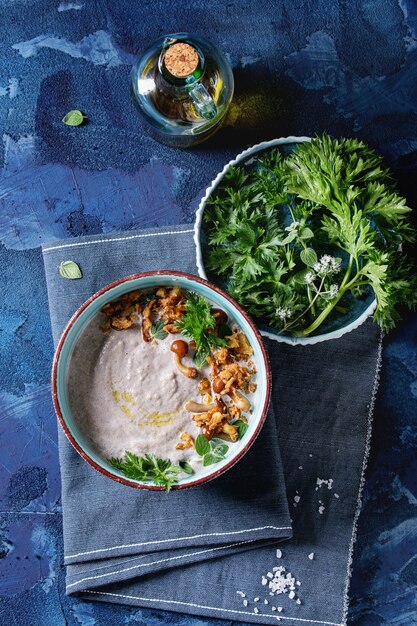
x=160, y=383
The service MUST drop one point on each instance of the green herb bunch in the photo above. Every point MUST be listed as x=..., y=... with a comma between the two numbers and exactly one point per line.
x=198, y=324
x=150, y=468
x=298, y=238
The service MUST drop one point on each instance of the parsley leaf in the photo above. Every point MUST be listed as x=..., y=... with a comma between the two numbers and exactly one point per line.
x=157, y=330
x=198, y=324
x=148, y=469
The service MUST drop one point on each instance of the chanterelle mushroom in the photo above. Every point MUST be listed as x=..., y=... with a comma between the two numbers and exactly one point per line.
x=180, y=349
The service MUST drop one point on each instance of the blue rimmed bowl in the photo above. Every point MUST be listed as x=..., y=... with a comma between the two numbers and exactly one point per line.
x=72, y=334
x=332, y=328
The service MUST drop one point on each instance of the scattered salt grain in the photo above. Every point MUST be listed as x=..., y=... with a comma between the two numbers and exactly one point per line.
x=270, y=575
x=279, y=609
x=311, y=556
x=256, y=599
x=264, y=580
x=273, y=608
x=270, y=593
x=282, y=581
x=298, y=583
x=311, y=456
x=297, y=499
x=266, y=602
x=291, y=595
x=321, y=509
x=279, y=554
x=300, y=467
x=241, y=594
x=256, y=610
x=275, y=569
x=336, y=495
x=298, y=601
x=245, y=603
x=322, y=481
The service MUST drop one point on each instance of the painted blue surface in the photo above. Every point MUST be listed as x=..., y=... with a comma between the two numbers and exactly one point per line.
x=301, y=67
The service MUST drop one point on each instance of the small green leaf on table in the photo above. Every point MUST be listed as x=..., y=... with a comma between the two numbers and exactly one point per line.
x=74, y=118
x=70, y=270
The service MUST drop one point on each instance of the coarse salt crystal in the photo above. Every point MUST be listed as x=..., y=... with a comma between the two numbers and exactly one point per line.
x=241, y=594
x=264, y=580
x=298, y=601
x=279, y=554
x=322, y=481
x=266, y=602
x=300, y=467
x=336, y=495
x=256, y=610
x=273, y=608
x=256, y=599
x=298, y=583
x=270, y=574
x=291, y=595
x=279, y=609
x=245, y=603
x=275, y=569
x=297, y=499
x=311, y=556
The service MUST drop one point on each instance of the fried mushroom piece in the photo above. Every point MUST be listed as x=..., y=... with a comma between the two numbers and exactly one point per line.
x=121, y=313
x=170, y=305
x=147, y=321
x=186, y=442
x=239, y=346
x=216, y=421
x=229, y=375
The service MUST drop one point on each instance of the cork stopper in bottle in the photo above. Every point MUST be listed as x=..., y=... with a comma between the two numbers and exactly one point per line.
x=181, y=60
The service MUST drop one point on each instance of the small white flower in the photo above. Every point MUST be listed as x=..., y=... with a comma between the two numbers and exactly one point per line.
x=283, y=313
x=333, y=291
x=309, y=278
x=327, y=265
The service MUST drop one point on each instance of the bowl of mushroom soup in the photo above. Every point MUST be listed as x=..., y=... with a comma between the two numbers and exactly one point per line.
x=161, y=381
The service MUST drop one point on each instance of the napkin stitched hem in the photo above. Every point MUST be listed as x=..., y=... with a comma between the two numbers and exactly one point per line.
x=162, y=561
x=251, y=616
x=362, y=478
x=159, y=541
x=111, y=239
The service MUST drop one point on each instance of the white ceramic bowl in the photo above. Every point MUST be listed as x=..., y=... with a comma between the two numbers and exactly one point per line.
x=348, y=323
x=72, y=337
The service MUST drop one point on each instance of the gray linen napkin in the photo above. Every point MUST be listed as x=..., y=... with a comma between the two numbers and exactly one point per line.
x=207, y=551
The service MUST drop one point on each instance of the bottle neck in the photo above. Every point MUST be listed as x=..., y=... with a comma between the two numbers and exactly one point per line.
x=181, y=63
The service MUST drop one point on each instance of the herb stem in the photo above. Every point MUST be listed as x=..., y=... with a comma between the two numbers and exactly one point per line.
x=310, y=299
x=309, y=294
x=345, y=285
x=287, y=326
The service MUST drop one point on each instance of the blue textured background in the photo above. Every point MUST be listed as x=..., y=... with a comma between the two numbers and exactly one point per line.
x=301, y=67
